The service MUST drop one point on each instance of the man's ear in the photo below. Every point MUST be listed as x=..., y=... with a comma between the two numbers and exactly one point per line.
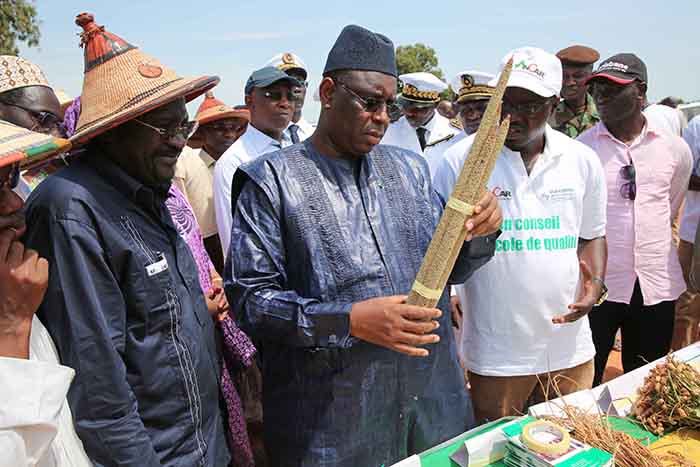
x=642, y=87
x=249, y=100
x=326, y=92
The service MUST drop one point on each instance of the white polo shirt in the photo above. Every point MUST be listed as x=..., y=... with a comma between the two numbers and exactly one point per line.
x=534, y=275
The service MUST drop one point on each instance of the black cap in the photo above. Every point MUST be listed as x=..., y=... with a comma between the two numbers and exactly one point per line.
x=360, y=49
x=268, y=76
x=621, y=69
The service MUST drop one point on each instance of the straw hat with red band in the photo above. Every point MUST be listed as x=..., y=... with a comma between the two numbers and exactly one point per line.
x=122, y=83
x=27, y=147
x=213, y=109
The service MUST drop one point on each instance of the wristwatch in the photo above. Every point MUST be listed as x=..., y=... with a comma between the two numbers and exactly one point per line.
x=603, y=290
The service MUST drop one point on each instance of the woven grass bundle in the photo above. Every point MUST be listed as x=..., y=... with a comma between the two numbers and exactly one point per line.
x=451, y=232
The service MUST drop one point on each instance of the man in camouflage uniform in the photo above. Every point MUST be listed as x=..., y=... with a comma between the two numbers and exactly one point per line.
x=576, y=112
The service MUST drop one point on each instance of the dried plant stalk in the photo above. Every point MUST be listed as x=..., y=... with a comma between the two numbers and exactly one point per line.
x=451, y=232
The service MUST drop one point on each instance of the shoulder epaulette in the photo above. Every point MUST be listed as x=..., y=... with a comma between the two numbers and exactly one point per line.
x=445, y=138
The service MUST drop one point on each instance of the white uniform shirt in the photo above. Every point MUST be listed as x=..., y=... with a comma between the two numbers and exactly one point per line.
x=534, y=275
x=691, y=211
x=36, y=426
x=402, y=134
x=305, y=129
x=252, y=144
x=665, y=118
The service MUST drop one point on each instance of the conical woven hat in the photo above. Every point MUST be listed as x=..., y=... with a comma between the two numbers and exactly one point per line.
x=121, y=82
x=27, y=147
x=213, y=109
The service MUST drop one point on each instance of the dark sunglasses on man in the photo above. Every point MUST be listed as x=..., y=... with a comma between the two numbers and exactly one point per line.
x=369, y=104
x=12, y=179
x=276, y=96
x=42, y=120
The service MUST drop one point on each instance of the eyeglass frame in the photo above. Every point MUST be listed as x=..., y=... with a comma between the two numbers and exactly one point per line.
x=518, y=109
x=38, y=116
x=366, y=105
x=291, y=96
x=170, y=133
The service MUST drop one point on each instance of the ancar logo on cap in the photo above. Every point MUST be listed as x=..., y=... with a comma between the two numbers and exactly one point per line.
x=531, y=67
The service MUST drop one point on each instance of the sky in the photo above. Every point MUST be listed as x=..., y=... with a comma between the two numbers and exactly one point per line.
x=231, y=38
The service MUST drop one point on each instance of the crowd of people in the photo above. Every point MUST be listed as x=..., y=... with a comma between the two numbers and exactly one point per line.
x=231, y=290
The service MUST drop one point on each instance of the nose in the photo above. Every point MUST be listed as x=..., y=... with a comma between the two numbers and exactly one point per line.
x=381, y=116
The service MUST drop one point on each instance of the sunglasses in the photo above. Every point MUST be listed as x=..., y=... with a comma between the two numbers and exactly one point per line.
x=12, y=179
x=223, y=128
x=276, y=96
x=369, y=104
x=522, y=109
x=42, y=120
x=185, y=130
x=628, y=190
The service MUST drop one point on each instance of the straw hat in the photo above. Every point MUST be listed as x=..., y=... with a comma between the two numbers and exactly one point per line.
x=18, y=144
x=121, y=82
x=213, y=109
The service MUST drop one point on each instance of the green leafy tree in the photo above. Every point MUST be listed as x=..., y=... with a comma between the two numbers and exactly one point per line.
x=18, y=23
x=417, y=57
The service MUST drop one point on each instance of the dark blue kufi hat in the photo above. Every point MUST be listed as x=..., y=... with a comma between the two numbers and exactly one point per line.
x=360, y=49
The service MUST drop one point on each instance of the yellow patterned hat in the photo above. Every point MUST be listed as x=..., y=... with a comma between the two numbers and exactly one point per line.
x=16, y=72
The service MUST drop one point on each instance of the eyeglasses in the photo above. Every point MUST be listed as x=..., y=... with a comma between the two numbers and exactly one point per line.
x=224, y=128
x=276, y=96
x=628, y=190
x=530, y=108
x=12, y=179
x=185, y=130
x=42, y=120
x=369, y=104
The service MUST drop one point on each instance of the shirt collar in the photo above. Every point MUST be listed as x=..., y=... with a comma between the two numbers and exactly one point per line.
x=649, y=129
x=148, y=197
x=430, y=125
x=208, y=160
x=260, y=141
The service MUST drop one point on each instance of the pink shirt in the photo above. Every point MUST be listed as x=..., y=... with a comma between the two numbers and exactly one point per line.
x=639, y=232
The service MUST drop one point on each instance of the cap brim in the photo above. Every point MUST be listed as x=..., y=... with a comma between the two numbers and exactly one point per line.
x=269, y=82
x=242, y=114
x=416, y=103
x=608, y=76
x=188, y=88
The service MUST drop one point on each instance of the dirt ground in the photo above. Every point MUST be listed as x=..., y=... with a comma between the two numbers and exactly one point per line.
x=614, y=368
